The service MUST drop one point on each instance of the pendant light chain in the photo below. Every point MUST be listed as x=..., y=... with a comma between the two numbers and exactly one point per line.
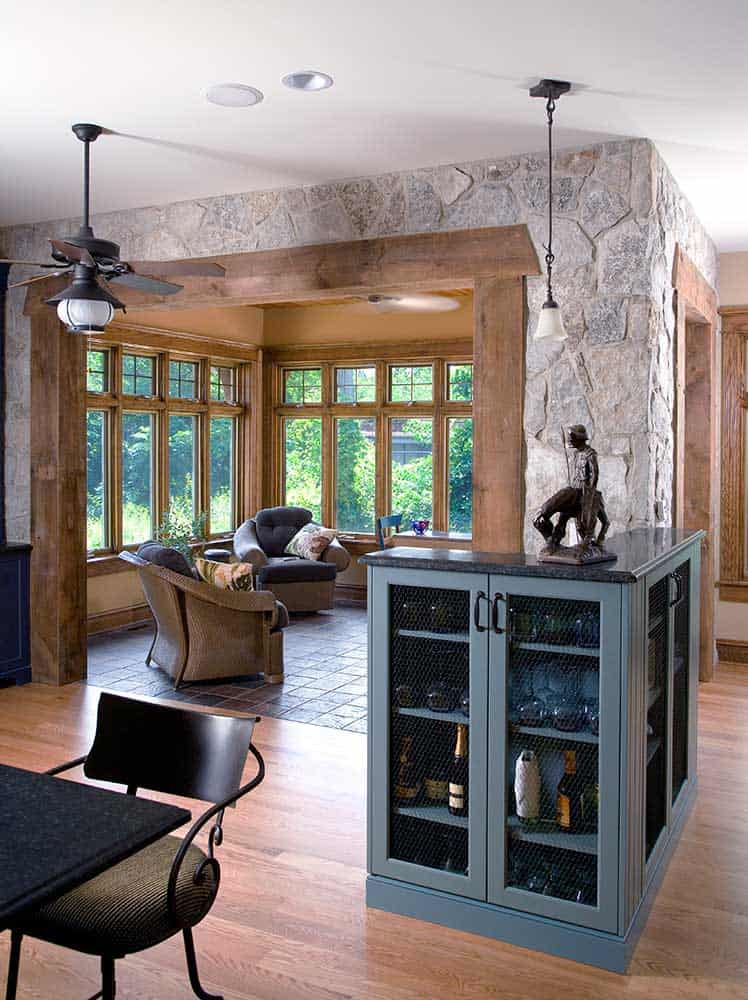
x=549, y=257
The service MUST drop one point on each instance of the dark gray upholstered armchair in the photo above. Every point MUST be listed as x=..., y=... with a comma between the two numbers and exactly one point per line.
x=169, y=887
x=301, y=584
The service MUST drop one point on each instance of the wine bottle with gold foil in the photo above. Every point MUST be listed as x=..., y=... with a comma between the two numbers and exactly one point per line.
x=407, y=785
x=458, y=775
x=569, y=814
x=436, y=776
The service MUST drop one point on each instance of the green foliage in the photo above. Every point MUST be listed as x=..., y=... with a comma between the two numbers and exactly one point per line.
x=178, y=531
x=356, y=474
x=303, y=437
x=461, y=474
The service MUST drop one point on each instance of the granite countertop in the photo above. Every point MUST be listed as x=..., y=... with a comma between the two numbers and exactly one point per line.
x=638, y=552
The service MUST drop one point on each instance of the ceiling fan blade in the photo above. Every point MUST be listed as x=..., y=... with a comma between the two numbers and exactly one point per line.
x=28, y=263
x=72, y=252
x=188, y=268
x=39, y=277
x=151, y=286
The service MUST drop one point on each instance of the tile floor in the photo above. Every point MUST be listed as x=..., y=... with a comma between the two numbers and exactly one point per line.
x=325, y=672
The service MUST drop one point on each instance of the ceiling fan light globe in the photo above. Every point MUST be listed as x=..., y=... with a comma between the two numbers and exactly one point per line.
x=85, y=315
x=550, y=326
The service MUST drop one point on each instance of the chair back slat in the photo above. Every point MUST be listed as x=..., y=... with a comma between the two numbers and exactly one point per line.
x=168, y=749
x=388, y=521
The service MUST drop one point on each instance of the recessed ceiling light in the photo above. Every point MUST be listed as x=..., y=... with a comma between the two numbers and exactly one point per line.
x=234, y=95
x=307, y=79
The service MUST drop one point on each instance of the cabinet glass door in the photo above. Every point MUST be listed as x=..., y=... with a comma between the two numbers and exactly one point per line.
x=658, y=653
x=681, y=610
x=554, y=712
x=429, y=665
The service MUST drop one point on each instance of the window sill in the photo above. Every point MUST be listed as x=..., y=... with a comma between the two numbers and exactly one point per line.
x=105, y=563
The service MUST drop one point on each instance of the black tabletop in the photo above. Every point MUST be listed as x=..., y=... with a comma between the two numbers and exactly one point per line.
x=56, y=833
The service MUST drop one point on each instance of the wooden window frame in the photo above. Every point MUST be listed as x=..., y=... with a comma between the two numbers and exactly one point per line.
x=382, y=410
x=733, y=582
x=114, y=402
x=120, y=373
x=287, y=370
x=354, y=368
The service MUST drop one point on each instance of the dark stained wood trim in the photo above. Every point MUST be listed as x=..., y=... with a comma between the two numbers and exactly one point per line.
x=732, y=651
x=734, y=593
x=106, y=621
x=156, y=339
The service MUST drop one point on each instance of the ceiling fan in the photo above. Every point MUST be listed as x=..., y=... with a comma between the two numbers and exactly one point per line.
x=87, y=305
x=410, y=303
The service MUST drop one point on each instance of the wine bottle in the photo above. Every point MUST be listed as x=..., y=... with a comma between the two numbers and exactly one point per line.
x=527, y=788
x=569, y=796
x=436, y=778
x=458, y=775
x=407, y=785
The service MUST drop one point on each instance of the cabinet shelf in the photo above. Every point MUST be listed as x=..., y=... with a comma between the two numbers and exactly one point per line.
x=548, y=733
x=434, y=814
x=426, y=713
x=549, y=647
x=416, y=633
x=546, y=834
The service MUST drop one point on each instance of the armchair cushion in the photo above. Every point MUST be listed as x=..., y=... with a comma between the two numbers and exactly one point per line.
x=291, y=570
x=276, y=526
x=338, y=555
x=310, y=541
x=164, y=555
x=227, y=576
x=124, y=909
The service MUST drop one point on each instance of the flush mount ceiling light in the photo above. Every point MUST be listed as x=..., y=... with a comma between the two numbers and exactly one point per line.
x=307, y=79
x=234, y=95
x=550, y=324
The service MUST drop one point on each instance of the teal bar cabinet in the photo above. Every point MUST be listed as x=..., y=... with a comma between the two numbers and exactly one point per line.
x=589, y=674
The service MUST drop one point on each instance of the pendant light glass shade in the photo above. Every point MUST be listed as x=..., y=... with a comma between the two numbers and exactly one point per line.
x=550, y=324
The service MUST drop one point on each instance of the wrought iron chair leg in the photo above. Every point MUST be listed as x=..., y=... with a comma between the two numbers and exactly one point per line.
x=108, y=985
x=13, y=962
x=189, y=948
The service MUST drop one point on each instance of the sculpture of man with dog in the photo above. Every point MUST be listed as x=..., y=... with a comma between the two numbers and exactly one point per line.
x=580, y=500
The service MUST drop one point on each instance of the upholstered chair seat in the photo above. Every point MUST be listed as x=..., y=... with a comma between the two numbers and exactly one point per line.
x=124, y=909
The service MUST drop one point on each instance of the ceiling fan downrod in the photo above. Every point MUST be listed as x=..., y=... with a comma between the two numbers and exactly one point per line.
x=87, y=133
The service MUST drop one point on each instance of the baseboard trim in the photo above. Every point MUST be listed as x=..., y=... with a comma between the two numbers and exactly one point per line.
x=732, y=650
x=348, y=593
x=105, y=621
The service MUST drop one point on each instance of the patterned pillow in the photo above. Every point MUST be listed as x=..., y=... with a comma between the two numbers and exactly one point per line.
x=226, y=576
x=310, y=542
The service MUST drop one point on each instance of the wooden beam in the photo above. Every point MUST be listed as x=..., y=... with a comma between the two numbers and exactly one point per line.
x=700, y=297
x=58, y=501
x=498, y=400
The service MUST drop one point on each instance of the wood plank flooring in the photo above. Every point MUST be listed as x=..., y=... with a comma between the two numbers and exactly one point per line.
x=290, y=921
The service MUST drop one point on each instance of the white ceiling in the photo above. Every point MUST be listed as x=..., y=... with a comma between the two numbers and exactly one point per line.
x=416, y=83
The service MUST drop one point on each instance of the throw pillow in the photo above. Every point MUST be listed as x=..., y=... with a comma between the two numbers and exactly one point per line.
x=226, y=576
x=164, y=555
x=310, y=541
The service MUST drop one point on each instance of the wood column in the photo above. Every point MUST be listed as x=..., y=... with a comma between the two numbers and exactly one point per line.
x=498, y=401
x=58, y=501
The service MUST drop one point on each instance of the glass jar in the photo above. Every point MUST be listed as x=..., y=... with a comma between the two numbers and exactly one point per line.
x=440, y=697
x=407, y=695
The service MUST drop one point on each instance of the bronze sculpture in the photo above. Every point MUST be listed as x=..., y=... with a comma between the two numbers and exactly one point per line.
x=580, y=500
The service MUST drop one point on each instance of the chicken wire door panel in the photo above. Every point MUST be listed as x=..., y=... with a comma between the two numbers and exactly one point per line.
x=657, y=781
x=428, y=666
x=554, y=749
x=681, y=625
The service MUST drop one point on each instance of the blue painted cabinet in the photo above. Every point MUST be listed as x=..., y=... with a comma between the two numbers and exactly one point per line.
x=595, y=677
x=15, y=653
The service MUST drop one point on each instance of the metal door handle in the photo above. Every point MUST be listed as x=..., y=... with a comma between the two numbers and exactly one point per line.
x=678, y=589
x=495, y=614
x=476, y=612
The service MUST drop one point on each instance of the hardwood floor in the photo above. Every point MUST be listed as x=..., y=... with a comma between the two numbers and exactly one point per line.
x=290, y=920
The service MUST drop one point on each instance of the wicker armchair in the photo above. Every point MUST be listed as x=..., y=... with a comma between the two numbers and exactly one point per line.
x=205, y=633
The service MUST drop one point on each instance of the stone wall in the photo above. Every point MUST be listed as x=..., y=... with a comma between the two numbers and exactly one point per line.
x=618, y=215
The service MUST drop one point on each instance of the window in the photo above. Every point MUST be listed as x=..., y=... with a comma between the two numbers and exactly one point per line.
x=460, y=473
x=97, y=496
x=138, y=375
x=178, y=451
x=355, y=385
x=183, y=466
x=222, y=463
x=411, y=384
x=408, y=449
x=183, y=379
x=460, y=383
x=303, y=463
x=355, y=480
x=302, y=386
x=97, y=371
x=412, y=468
x=138, y=509
x=222, y=383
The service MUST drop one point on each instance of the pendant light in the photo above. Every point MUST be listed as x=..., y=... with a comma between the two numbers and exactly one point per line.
x=550, y=324
x=85, y=306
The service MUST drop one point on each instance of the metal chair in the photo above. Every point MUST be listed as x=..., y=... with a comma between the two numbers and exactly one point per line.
x=389, y=521
x=171, y=885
